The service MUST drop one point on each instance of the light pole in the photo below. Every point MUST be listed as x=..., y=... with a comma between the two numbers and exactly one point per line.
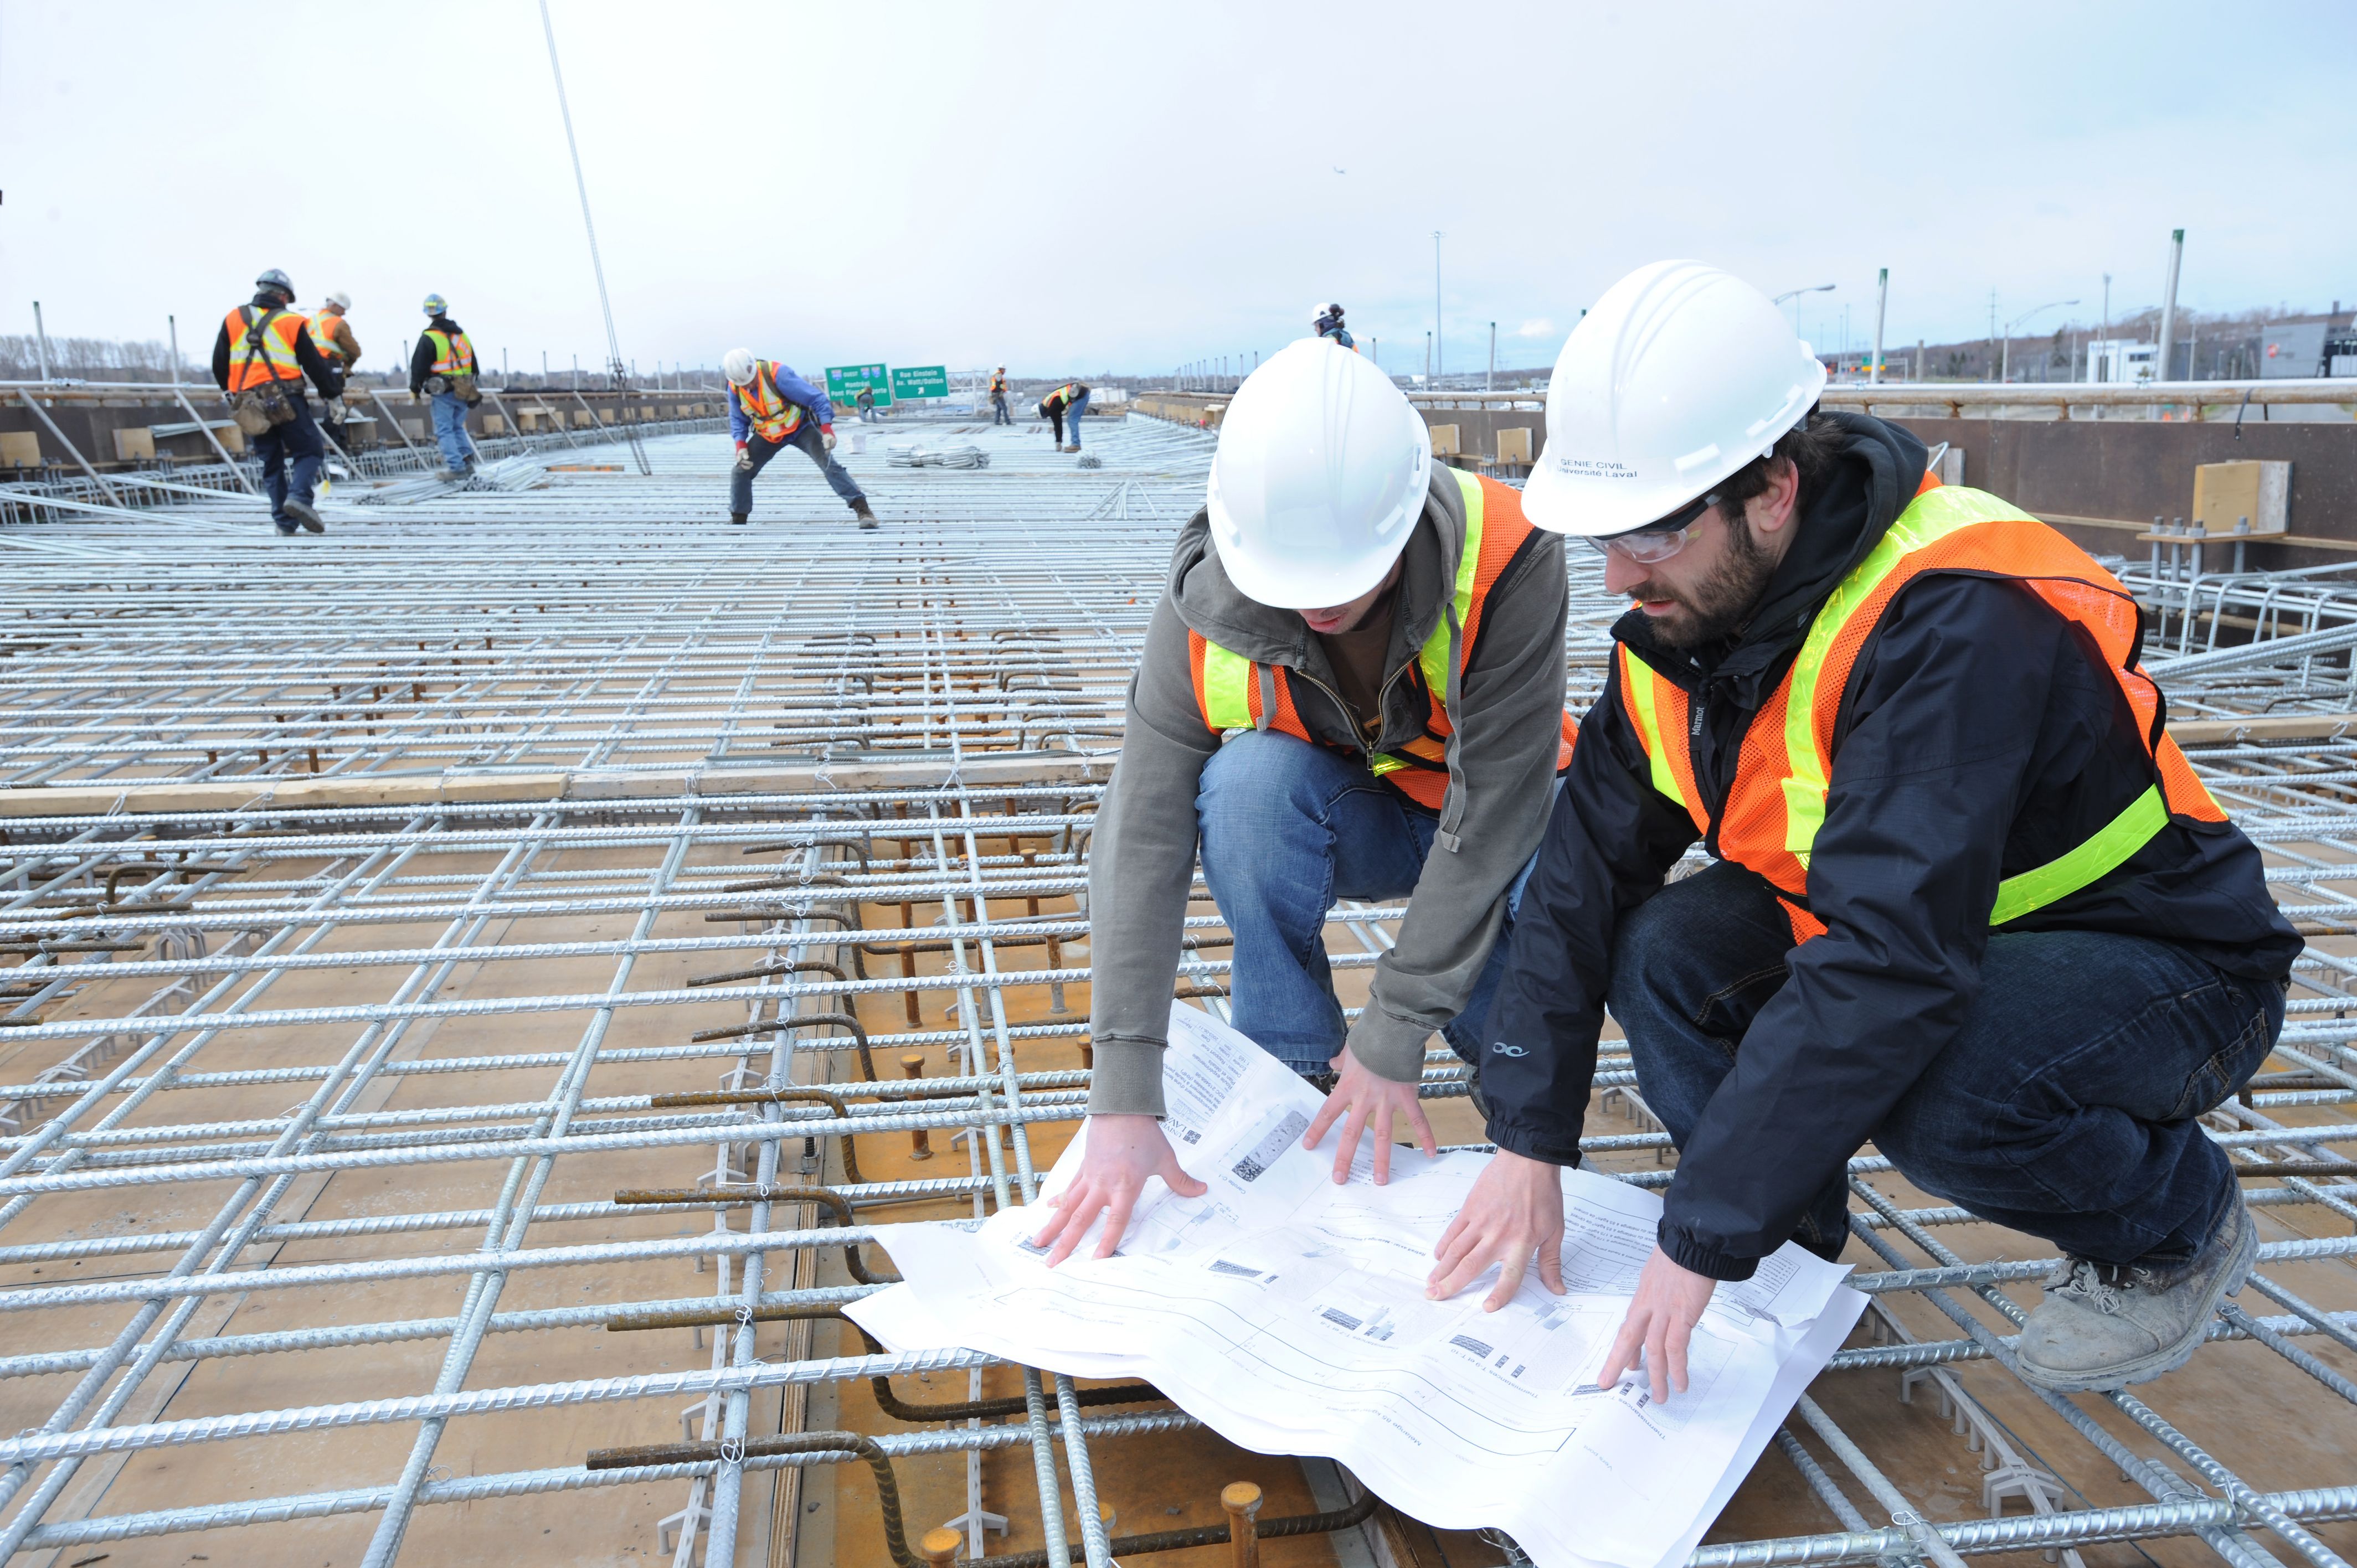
x=2005, y=367
x=1795, y=294
x=2108, y=328
x=1436, y=372
x=1881, y=308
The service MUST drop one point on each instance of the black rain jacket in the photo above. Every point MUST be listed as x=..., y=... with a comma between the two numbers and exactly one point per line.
x=1980, y=735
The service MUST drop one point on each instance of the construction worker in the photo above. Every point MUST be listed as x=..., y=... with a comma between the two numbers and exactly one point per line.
x=1967, y=899
x=333, y=335
x=443, y=368
x=1353, y=688
x=998, y=414
x=1329, y=324
x=773, y=409
x=866, y=401
x=260, y=358
x=1072, y=399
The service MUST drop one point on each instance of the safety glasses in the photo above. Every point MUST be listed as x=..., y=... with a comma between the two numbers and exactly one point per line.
x=1657, y=542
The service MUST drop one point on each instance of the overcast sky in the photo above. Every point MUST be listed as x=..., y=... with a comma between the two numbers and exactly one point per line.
x=1122, y=187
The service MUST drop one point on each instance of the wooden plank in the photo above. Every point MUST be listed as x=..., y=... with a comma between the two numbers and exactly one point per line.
x=2272, y=726
x=296, y=793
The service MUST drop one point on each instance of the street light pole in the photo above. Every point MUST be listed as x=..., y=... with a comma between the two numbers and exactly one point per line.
x=1881, y=308
x=2006, y=373
x=1794, y=294
x=1436, y=310
x=2168, y=310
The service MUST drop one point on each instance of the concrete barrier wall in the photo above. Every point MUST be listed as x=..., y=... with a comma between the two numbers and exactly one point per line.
x=104, y=429
x=2105, y=480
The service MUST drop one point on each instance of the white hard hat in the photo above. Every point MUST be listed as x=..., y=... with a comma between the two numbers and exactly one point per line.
x=1678, y=377
x=1320, y=474
x=737, y=366
x=340, y=300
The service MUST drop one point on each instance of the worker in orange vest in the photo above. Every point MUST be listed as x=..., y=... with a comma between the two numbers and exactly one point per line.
x=261, y=356
x=1352, y=689
x=1966, y=899
x=998, y=414
x=333, y=335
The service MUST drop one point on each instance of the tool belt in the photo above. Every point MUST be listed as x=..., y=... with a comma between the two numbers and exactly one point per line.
x=260, y=409
x=463, y=387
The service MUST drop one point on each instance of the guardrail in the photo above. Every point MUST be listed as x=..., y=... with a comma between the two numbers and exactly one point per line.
x=2200, y=399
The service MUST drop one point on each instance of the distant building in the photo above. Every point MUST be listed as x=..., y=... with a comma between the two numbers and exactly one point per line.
x=2119, y=360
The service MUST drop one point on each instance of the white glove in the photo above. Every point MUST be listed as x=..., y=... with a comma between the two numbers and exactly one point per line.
x=827, y=437
x=335, y=411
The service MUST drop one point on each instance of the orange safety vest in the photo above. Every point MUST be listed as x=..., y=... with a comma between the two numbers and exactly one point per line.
x=274, y=359
x=1229, y=687
x=774, y=415
x=997, y=384
x=323, y=338
x=1063, y=396
x=1768, y=821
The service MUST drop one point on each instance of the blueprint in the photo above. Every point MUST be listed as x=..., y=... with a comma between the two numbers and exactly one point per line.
x=1288, y=1314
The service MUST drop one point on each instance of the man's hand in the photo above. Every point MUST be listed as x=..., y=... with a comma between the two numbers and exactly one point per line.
x=826, y=433
x=1669, y=1302
x=1122, y=1152
x=1367, y=1097
x=1514, y=1210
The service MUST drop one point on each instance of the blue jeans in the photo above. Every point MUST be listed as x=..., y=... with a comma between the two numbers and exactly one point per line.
x=813, y=445
x=450, y=430
x=1080, y=406
x=998, y=414
x=1287, y=828
x=2065, y=1106
x=295, y=445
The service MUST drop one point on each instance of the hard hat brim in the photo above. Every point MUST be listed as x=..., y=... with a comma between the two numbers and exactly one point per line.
x=1597, y=507
x=1295, y=588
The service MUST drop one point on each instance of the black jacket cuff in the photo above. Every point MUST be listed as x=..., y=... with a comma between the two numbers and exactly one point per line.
x=1695, y=1255
x=1550, y=1144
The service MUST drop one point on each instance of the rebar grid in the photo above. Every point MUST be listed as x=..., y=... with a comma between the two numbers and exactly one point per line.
x=423, y=880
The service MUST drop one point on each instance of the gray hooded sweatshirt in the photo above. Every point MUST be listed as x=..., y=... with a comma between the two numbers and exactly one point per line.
x=1508, y=718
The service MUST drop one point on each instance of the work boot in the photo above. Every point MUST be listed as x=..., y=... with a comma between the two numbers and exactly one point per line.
x=301, y=512
x=859, y=509
x=738, y=516
x=2104, y=1326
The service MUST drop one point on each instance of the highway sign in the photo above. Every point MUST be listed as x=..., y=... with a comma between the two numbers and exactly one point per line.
x=844, y=382
x=921, y=380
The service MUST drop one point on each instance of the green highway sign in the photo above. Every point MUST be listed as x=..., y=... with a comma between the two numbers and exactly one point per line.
x=923, y=380
x=844, y=382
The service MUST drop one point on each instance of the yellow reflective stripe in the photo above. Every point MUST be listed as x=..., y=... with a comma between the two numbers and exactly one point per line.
x=1383, y=762
x=1433, y=656
x=1931, y=516
x=1640, y=683
x=1227, y=689
x=2096, y=858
